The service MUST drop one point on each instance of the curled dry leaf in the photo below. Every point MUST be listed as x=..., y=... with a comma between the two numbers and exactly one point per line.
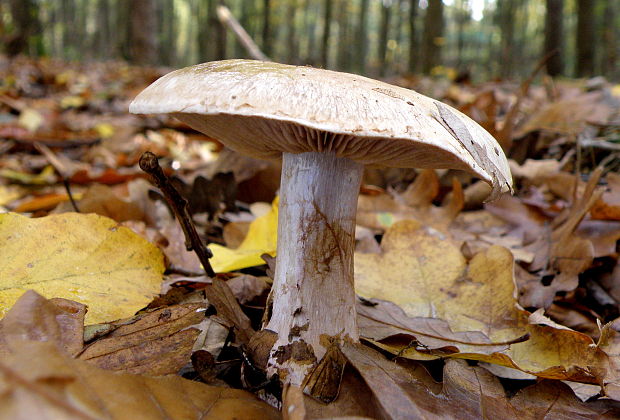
x=41, y=382
x=563, y=254
x=87, y=258
x=220, y=296
x=406, y=391
x=425, y=274
x=39, y=378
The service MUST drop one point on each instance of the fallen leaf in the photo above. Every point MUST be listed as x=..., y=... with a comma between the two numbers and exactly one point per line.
x=261, y=239
x=220, y=296
x=101, y=200
x=87, y=258
x=608, y=206
x=155, y=343
x=380, y=211
x=30, y=119
x=569, y=116
x=468, y=392
x=425, y=274
x=39, y=380
x=43, y=202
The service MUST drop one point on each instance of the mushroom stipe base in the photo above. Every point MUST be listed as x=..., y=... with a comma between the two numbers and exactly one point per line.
x=313, y=290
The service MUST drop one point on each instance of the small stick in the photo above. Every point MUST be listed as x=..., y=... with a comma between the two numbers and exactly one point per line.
x=150, y=165
x=60, y=168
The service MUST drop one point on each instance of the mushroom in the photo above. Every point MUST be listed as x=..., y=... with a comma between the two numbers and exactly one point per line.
x=325, y=126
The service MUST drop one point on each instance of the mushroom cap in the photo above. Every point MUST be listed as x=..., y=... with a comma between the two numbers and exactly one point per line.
x=262, y=109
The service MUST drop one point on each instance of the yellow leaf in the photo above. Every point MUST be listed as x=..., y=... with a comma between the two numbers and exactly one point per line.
x=73, y=101
x=46, y=176
x=86, y=258
x=30, y=119
x=424, y=272
x=104, y=130
x=8, y=194
x=261, y=239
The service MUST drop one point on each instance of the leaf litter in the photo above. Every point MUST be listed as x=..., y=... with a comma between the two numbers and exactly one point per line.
x=523, y=287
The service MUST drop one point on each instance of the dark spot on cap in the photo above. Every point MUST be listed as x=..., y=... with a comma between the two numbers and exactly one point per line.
x=496, y=151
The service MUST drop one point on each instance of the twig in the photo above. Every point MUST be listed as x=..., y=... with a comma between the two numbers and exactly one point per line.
x=600, y=144
x=179, y=205
x=226, y=17
x=60, y=168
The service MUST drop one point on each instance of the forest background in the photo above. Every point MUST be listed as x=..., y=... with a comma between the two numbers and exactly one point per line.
x=482, y=39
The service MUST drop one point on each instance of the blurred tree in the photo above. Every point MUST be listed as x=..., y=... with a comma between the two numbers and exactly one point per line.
x=506, y=10
x=554, y=36
x=386, y=11
x=267, y=36
x=432, y=38
x=414, y=48
x=610, y=28
x=104, y=38
x=327, y=23
x=584, y=64
x=362, y=37
x=143, y=31
x=462, y=16
x=344, y=41
x=26, y=24
x=292, y=49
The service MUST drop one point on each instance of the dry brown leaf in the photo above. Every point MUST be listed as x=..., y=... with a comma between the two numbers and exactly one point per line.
x=563, y=254
x=467, y=393
x=40, y=380
x=38, y=319
x=383, y=210
x=102, y=200
x=175, y=249
x=426, y=276
x=608, y=206
x=155, y=343
x=569, y=116
x=220, y=296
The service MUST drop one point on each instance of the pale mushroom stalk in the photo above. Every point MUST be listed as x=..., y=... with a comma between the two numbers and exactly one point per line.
x=313, y=293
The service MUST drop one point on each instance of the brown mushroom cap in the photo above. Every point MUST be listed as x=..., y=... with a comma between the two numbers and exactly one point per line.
x=263, y=109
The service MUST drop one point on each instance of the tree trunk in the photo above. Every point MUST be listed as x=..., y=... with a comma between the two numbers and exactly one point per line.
x=292, y=54
x=414, y=48
x=362, y=37
x=384, y=29
x=327, y=23
x=26, y=22
x=344, y=45
x=584, y=65
x=267, y=47
x=506, y=16
x=553, y=36
x=463, y=14
x=433, y=31
x=610, y=43
x=102, y=43
x=143, y=31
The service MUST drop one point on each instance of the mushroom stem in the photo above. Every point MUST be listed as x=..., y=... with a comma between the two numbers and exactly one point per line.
x=313, y=292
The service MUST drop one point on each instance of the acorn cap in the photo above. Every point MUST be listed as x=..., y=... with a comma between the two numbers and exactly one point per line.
x=263, y=109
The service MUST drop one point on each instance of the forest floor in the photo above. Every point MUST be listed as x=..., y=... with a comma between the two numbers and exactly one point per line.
x=513, y=312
